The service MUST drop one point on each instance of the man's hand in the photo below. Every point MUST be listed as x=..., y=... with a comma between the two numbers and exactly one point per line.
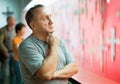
x=6, y=54
x=48, y=67
x=53, y=41
x=55, y=75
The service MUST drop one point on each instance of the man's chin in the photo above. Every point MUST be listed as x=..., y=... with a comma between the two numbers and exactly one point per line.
x=51, y=32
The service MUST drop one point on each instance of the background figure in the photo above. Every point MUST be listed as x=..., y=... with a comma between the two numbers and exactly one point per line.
x=6, y=35
x=44, y=59
x=20, y=30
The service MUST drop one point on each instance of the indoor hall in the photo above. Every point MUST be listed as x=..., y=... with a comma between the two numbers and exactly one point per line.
x=90, y=29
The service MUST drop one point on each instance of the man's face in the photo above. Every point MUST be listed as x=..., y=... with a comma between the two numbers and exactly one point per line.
x=42, y=21
x=11, y=21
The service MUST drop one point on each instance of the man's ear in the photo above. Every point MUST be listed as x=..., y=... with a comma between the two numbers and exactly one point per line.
x=32, y=24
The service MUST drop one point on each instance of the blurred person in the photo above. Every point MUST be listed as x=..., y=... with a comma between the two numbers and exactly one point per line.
x=44, y=59
x=20, y=30
x=6, y=35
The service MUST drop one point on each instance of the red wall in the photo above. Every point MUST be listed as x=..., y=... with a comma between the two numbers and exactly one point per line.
x=112, y=20
x=82, y=24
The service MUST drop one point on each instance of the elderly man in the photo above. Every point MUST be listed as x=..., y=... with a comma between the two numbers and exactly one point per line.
x=6, y=35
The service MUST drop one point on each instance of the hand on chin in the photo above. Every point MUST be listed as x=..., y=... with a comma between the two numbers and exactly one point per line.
x=51, y=31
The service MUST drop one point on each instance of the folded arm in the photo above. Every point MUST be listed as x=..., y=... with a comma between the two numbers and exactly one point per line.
x=68, y=71
x=46, y=71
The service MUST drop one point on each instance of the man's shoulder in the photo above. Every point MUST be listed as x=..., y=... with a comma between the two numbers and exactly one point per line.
x=26, y=42
x=62, y=42
x=3, y=28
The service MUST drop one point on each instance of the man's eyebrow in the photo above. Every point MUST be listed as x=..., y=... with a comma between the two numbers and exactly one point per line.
x=47, y=15
x=42, y=16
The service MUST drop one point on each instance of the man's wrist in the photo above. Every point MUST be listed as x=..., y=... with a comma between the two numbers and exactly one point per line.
x=55, y=75
x=54, y=47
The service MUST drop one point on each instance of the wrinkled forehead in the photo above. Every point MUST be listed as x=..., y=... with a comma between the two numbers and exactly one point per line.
x=42, y=11
x=47, y=10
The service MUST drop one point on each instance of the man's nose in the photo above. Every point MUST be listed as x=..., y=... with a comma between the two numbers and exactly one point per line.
x=50, y=22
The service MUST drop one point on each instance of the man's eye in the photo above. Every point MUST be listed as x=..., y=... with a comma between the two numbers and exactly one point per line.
x=44, y=18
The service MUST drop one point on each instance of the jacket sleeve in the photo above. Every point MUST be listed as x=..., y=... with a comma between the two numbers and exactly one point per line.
x=2, y=46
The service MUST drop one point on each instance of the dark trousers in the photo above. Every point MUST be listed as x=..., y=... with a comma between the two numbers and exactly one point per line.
x=4, y=64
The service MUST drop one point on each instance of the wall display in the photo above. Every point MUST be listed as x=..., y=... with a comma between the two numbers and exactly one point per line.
x=113, y=41
x=118, y=13
x=92, y=50
x=82, y=43
x=79, y=11
x=85, y=26
x=92, y=19
x=96, y=6
x=86, y=8
x=102, y=48
x=82, y=1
